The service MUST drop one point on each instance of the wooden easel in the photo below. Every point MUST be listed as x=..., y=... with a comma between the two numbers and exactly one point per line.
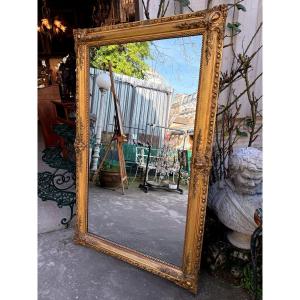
x=119, y=137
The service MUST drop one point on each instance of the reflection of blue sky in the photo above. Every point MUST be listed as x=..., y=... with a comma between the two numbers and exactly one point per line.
x=178, y=61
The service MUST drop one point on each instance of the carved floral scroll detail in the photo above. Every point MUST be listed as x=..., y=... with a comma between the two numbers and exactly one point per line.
x=203, y=162
x=79, y=144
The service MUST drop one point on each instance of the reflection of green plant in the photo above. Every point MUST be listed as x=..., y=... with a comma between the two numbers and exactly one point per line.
x=128, y=59
x=112, y=166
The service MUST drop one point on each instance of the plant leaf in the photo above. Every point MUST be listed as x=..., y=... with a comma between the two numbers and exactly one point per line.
x=184, y=2
x=241, y=7
x=230, y=25
x=236, y=24
x=241, y=133
x=249, y=122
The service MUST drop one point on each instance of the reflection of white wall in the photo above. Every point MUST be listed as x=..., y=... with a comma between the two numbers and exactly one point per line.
x=250, y=20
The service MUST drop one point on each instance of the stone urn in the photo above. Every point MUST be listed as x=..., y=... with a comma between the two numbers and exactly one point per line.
x=235, y=200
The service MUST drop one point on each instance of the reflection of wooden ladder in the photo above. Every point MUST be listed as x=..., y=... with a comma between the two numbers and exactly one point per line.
x=119, y=137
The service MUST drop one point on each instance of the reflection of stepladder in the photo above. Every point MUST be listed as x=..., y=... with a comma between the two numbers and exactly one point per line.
x=119, y=137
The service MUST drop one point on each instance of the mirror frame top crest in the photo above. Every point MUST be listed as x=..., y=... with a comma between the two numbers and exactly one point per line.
x=210, y=24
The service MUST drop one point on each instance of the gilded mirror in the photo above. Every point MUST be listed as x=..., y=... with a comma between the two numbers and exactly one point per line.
x=146, y=104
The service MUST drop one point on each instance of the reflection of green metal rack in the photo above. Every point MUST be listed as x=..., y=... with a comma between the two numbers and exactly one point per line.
x=189, y=158
x=137, y=155
x=129, y=152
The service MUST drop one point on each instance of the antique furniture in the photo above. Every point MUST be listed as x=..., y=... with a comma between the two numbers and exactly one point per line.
x=157, y=185
x=47, y=113
x=205, y=29
x=65, y=112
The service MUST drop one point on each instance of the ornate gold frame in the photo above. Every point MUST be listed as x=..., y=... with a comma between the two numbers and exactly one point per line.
x=209, y=23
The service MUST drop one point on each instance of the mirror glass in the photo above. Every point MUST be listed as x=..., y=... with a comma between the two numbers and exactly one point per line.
x=142, y=110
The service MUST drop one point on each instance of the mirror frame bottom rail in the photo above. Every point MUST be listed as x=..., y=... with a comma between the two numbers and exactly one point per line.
x=138, y=259
x=210, y=24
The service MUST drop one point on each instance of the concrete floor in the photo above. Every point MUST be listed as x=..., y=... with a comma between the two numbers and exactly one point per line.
x=152, y=223
x=69, y=271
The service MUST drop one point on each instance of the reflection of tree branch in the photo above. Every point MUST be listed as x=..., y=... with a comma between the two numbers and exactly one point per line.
x=160, y=56
x=191, y=49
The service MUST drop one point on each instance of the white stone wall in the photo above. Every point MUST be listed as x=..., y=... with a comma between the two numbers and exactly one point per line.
x=250, y=20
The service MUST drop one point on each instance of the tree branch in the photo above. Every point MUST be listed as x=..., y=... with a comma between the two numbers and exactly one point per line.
x=166, y=9
x=228, y=45
x=256, y=32
x=146, y=9
x=239, y=96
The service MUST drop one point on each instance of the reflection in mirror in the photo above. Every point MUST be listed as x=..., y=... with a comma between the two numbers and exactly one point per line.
x=142, y=112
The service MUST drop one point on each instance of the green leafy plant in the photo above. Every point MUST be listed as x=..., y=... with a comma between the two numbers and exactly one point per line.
x=128, y=59
x=234, y=27
x=247, y=282
x=241, y=7
x=112, y=166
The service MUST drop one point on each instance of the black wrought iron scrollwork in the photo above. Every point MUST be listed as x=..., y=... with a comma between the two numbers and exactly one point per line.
x=50, y=189
x=53, y=158
x=65, y=221
x=64, y=181
x=59, y=186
